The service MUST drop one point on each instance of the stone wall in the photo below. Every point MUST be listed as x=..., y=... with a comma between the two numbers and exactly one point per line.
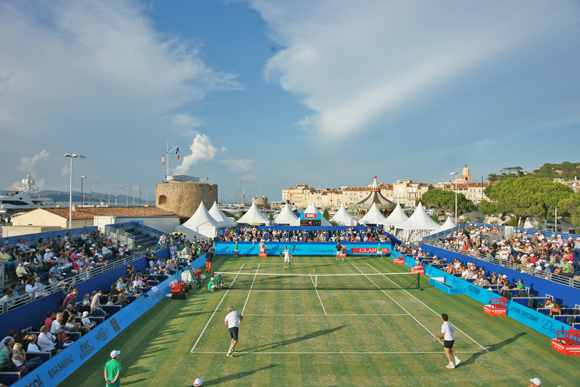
x=261, y=201
x=184, y=198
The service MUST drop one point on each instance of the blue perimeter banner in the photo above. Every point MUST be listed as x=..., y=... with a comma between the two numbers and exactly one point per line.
x=527, y=316
x=302, y=248
x=66, y=362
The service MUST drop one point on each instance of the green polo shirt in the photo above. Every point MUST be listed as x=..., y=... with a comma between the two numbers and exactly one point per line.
x=113, y=367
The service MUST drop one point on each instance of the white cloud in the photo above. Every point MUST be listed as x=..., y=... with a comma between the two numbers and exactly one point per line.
x=65, y=171
x=355, y=64
x=28, y=164
x=249, y=177
x=243, y=165
x=104, y=62
x=185, y=121
x=201, y=150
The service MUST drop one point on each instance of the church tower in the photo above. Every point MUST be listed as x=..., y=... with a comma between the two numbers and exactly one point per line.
x=465, y=174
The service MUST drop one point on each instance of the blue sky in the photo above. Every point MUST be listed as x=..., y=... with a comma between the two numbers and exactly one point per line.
x=279, y=93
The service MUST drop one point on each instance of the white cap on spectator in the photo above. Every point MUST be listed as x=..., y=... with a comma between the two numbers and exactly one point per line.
x=47, y=249
x=536, y=381
x=85, y=313
x=114, y=354
x=94, y=245
x=198, y=382
x=26, y=263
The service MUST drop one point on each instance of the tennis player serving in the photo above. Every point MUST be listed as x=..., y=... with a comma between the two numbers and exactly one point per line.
x=233, y=322
x=448, y=340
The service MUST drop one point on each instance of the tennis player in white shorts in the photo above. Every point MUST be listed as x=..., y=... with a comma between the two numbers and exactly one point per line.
x=287, y=255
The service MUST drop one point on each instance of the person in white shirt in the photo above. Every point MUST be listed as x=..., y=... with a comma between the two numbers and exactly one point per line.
x=233, y=322
x=86, y=322
x=287, y=255
x=57, y=324
x=448, y=340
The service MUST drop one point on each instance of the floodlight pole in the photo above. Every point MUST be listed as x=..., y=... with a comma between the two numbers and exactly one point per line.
x=71, y=156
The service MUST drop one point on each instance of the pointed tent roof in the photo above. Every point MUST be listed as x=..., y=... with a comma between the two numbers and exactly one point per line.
x=420, y=220
x=446, y=226
x=343, y=218
x=254, y=216
x=397, y=217
x=375, y=197
x=286, y=216
x=311, y=209
x=201, y=219
x=374, y=216
x=220, y=217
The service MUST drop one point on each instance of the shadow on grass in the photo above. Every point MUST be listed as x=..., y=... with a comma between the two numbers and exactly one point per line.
x=266, y=347
x=494, y=347
x=225, y=379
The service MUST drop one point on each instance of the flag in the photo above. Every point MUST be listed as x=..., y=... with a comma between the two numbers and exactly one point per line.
x=162, y=158
x=177, y=151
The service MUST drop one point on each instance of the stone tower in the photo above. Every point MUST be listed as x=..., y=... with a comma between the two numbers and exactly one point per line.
x=184, y=198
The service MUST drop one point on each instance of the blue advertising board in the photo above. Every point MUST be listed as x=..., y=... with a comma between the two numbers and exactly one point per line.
x=66, y=362
x=301, y=248
x=527, y=316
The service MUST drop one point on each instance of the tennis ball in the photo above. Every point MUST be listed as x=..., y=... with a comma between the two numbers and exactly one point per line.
x=313, y=270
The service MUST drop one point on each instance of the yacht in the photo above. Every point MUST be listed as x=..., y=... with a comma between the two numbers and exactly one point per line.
x=24, y=199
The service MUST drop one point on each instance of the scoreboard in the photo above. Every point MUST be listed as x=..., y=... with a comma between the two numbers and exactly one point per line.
x=310, y=219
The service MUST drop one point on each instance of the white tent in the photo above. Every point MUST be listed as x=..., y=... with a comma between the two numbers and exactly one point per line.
x=201, y=222
x=286, y=216
x=446, y=226
x=396, y=218
x=343, y=218
x=221, y=218
x=374, y=216
x=254, y=216
x=418, y=226
x=311, y=209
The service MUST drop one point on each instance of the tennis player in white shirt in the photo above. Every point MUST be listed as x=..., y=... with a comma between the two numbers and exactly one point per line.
x=287, y=256
x=448, y=340
x=233, y=322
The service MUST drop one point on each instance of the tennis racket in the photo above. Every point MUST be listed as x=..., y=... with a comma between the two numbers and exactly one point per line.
x=429, y=339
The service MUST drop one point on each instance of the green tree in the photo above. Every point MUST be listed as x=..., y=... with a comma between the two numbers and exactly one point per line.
x=570, y=208
x=445, y=201
x=524, y=197
x=242, y=213
x=325, y=214
x=271, y=217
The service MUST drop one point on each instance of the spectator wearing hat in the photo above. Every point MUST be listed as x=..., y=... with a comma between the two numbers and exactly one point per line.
x=113, y=370
x=535, y=382
x=87, y=323
x=198, y=382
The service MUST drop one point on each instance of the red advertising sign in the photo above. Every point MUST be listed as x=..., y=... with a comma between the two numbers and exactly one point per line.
x=310, y=216
x=368, y=250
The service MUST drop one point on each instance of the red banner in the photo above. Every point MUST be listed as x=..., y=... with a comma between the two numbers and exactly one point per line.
x=310, y=216
x=368, y=250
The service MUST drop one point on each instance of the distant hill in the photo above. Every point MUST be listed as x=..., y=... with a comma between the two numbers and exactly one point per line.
x=565, y=170
x=60, y=196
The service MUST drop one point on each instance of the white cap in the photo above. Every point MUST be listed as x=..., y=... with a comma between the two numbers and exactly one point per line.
x=26, y=263
x=198, y=382
x=536, y=381
x=114, y=354
x=85, y=313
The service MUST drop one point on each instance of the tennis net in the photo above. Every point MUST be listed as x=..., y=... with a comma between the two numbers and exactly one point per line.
x=301, y=281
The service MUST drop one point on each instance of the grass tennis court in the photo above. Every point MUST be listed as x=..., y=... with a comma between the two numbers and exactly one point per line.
x=351, y=330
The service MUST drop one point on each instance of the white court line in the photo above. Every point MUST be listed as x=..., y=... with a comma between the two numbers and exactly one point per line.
x=329, y=315
x=413, y=317
x=250, y=292
x=217, y=307
x=338, y=353
x=318, y=294
x=485, y=349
